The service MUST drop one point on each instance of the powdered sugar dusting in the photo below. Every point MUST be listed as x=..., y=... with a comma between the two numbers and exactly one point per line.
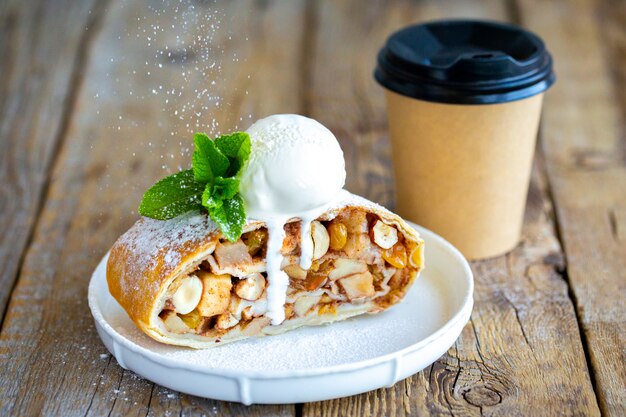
x=346, y=198
x=150, y=241
x=282, y=130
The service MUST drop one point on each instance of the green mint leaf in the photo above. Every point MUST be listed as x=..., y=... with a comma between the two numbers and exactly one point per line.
x=172, y=196
x=231, y=217
x=225, y=188
x=222, y=189
x=208, y=160
x=236, y=147
x=208, y=201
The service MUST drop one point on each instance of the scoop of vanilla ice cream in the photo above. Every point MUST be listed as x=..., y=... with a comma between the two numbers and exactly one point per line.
x=296, y=164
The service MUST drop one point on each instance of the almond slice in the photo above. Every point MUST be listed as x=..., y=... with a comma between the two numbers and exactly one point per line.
x=232, y=255
x=251, y=287
x=304, y=303
x=344, y=267
x=246, y=313
x=384, y=235
x=188, y=295
x=226, y=321
x=175, y=324
x=255, y=327
x=321, y=239
x=358, y=286
x=295, y=272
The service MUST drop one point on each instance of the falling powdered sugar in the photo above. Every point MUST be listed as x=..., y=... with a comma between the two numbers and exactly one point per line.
x=174, y=63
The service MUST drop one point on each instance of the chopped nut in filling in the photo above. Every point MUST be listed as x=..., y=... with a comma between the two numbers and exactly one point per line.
x=357, y=258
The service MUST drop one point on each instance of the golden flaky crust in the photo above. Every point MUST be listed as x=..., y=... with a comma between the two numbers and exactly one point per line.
x=152, y=254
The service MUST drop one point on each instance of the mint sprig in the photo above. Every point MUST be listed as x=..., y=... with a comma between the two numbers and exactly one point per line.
x=172, y=196
x=208, y=161
x=236, y=147
x=212, y=183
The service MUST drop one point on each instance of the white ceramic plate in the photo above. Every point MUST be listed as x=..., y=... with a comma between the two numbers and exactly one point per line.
x=308, y=364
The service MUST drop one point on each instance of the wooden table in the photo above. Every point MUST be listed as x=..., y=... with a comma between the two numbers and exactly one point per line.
x=82, y=134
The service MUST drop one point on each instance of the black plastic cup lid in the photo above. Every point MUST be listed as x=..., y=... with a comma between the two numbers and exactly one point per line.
x=465, y=62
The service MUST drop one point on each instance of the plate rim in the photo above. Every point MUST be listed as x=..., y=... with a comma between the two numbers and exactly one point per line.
x=172, y=363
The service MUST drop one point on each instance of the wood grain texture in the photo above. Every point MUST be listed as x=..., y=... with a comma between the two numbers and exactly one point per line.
x=612, y=15
x=521, y=354
x=118, y=142
x=585, y=148
x=40, y=61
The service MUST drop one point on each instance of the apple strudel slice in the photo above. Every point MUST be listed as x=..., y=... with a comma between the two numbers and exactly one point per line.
x=183, y=283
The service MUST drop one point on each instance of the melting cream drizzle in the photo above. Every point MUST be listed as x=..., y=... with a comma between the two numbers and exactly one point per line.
x=278, y=280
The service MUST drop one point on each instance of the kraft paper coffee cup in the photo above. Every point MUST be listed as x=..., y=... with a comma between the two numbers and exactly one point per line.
x=463, y=102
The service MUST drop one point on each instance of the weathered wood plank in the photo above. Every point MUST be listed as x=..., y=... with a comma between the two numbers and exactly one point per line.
x=612, y=15
x=118, y=141
x=40, y=62
x=521, y=354
x=583, y=141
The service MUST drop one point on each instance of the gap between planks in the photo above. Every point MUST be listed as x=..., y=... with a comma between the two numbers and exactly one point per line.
x=515, y=15
x=582, y=139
